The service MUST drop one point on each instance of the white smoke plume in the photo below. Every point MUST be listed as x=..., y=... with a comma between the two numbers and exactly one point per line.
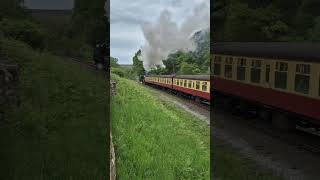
x=165, y=36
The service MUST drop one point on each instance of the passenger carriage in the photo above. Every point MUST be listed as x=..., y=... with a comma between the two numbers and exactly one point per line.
x=281, y=79
x=195, y=86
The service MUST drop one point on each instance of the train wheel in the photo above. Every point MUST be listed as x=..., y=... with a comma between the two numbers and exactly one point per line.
x=281, y=122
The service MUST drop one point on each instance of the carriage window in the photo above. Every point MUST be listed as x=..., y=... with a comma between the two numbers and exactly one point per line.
x=181, y=82
x=302, y=78
x=204, y=86
x=281, y=75
x=228, y=68
x=256, y=71
x=217, y=66
x=189, y=84
x=267, y=73
x=185, y=83
x=241, y=69
x=197, y=84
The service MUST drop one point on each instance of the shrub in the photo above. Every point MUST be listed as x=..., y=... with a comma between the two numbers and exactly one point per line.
x=65, y=46
x=118, y=71
x=24, y=30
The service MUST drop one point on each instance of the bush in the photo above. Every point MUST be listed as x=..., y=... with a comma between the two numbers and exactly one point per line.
x=118, y=71
x=65, y=46
x=24, y=30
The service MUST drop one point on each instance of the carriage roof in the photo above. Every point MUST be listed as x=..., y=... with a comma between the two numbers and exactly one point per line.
x=272, y=50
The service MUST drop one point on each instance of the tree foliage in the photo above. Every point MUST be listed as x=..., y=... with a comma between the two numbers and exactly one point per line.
x=114, y=62
x=24, y=30
x=267, y=20
x=11, y=8
x=138, y=65
x=89, y=21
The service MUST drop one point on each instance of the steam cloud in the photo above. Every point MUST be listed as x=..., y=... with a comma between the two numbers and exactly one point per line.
x=165, y=36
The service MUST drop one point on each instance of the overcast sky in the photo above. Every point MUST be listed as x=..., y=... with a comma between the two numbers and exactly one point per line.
x=127, y=15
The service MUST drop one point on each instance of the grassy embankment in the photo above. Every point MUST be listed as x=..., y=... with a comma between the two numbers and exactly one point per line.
x=60, y=129
x=156, y=140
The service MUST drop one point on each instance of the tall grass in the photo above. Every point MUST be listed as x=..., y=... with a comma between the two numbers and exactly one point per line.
x=154, y=140
x=60, y=130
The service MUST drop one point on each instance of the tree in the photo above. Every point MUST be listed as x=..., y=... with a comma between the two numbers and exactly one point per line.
x=114, y=62
x=189, y=69
x=172, y=62
x=314, y=32
x=138, y=65
x=11, y=8
x=158, y=70
x=89, y=21
x=264, y=20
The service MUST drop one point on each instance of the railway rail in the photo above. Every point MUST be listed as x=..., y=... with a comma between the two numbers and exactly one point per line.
x=297, y=138
x=203, y=105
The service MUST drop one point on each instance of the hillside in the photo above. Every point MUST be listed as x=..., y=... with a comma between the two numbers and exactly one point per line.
x=60, y=127
x=126, y=66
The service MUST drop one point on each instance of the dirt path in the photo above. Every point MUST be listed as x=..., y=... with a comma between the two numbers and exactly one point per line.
x=269, y=152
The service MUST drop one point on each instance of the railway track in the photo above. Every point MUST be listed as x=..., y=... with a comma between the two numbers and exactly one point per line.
x=297, y=138
x=202, y=105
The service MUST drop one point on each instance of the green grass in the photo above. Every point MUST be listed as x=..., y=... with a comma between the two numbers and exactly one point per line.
x=154, y=140
x=60, y=130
